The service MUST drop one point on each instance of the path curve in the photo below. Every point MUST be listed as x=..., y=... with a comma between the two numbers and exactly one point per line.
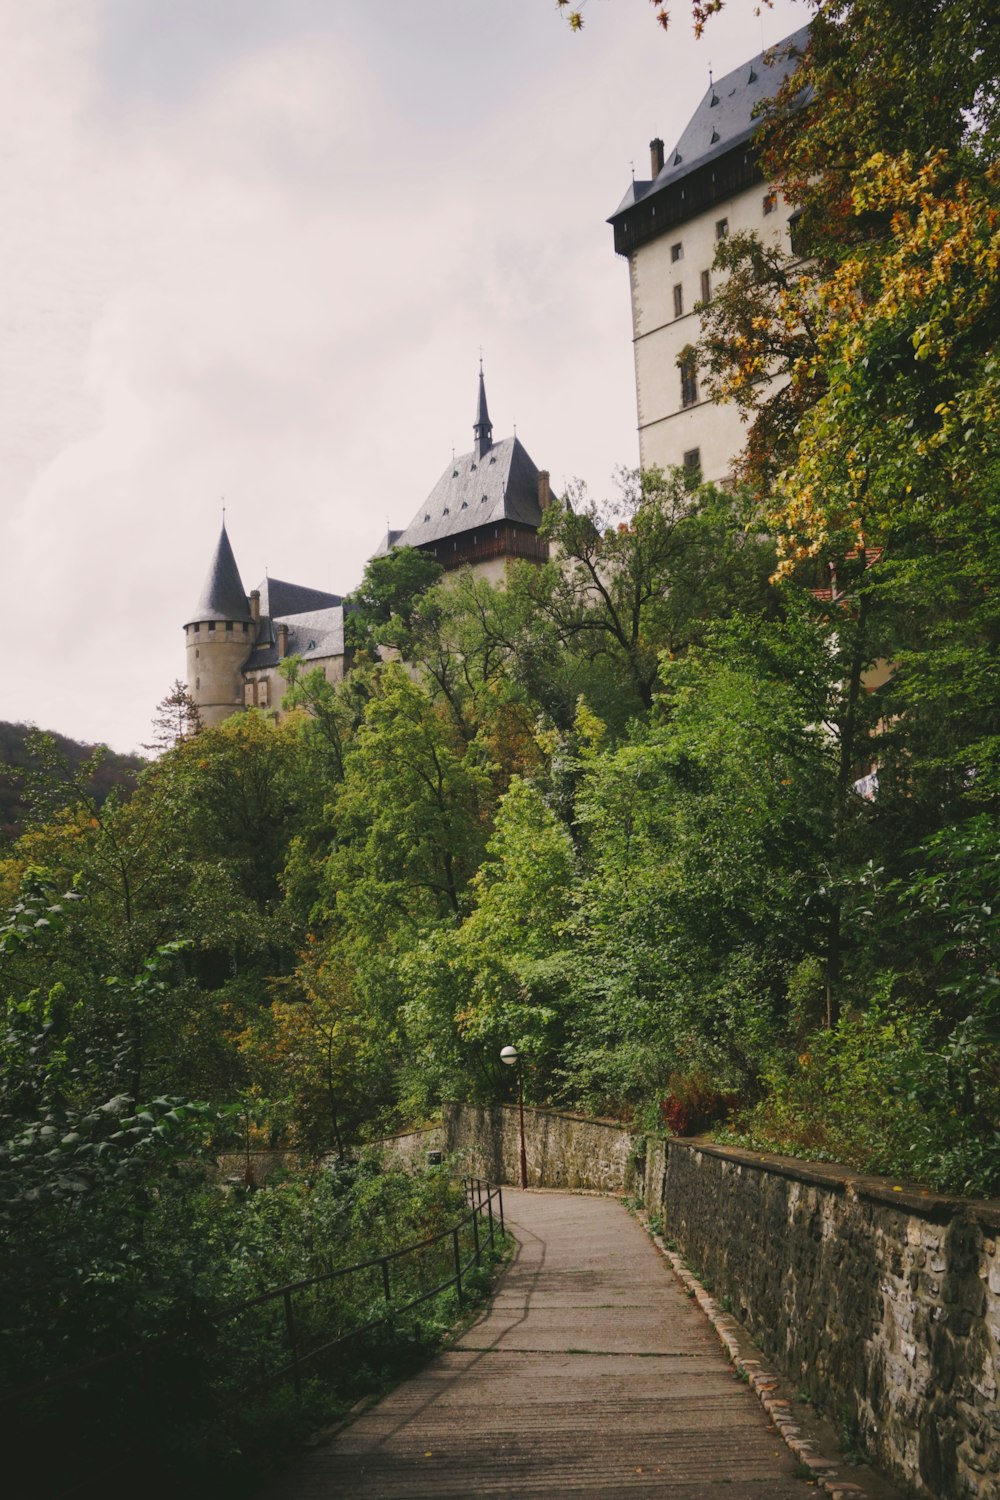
x=590, y=1373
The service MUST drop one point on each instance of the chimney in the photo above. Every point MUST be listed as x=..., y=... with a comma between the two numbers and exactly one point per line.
x=656, y=156
x=544, y=491
x=255, y=604
x=282, y=630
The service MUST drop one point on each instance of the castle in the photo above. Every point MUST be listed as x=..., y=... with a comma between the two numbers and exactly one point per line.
x=484, y=511
x=486, y=508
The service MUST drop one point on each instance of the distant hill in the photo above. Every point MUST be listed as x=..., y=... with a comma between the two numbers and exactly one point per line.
x=116, y=771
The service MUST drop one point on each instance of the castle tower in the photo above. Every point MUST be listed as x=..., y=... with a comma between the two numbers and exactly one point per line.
x=218, y=638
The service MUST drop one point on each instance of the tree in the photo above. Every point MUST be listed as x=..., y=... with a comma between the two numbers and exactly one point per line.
x=381, y=608
x=411, y=815
x=643, y=573
x=177, y=719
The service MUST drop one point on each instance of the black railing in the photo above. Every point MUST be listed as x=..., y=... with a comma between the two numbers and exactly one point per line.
x=304, y=1314
x=300, y=1317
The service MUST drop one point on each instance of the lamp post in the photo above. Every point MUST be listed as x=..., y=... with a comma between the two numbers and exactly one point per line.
x=509, y=1056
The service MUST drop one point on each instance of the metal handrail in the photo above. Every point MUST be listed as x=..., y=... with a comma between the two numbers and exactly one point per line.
x=480, y=1196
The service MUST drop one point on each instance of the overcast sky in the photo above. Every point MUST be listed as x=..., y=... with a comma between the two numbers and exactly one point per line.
x=250, y=250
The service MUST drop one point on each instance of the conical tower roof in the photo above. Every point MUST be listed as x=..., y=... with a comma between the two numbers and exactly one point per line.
x=223, y=596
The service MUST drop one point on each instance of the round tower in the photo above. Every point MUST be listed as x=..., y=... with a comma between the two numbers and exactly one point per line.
x=218, y=638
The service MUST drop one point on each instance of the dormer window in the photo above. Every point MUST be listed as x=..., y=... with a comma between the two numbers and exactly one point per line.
x=473, y=467
x=493, y=458
x=446, y=511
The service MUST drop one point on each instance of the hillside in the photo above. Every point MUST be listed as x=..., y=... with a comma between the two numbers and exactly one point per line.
x=16, y=761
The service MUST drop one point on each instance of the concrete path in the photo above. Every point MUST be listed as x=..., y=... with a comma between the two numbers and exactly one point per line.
x=591, y=1373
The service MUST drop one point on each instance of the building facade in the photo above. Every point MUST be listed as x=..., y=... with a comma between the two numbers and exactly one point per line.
x=668, y=227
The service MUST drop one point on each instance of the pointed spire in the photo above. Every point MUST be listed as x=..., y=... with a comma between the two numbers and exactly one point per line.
x=483, y=427
x=223, y=596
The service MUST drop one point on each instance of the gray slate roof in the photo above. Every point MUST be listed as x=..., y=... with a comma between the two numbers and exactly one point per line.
x=313, y=635
x=502, y=485
x=278, y=598
x=724, y=118
x=223, y=596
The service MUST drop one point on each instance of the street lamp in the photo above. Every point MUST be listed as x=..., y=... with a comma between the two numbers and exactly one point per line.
x=509, y=1056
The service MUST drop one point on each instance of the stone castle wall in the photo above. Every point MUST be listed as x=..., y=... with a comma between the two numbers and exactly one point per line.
x=882, y=1303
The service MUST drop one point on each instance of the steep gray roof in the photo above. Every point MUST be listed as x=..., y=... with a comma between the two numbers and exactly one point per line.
x=502, y=485
x=223, y=596
x=725, y=117
x=313, y=635
x=278, y=598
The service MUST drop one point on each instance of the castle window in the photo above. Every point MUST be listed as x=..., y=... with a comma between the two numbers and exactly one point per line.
x=770, y=202
x=689, y=381
x=677, y=251
x=794, y=227
x=721, y=229
x=245, y=628
x=248, y=695
x=678, y=300
x=197, y=630
x=197, y=682
x=262, y=693
x=692, y=468
x=211, y=627
x=197, y=653
x=706, y=286
x=229, y=627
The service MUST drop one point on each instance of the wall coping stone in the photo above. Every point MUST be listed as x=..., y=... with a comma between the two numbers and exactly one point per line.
x=937, y=1207
x=558, y=1114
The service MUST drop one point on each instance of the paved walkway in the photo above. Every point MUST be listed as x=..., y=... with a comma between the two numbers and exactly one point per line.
x=591, y=1373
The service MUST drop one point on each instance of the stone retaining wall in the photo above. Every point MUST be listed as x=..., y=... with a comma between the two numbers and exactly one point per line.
x=882, y=1303
x=562, y=1151
x=410, y=1149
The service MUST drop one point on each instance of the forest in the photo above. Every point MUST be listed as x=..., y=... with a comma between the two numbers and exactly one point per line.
x=701, y=815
